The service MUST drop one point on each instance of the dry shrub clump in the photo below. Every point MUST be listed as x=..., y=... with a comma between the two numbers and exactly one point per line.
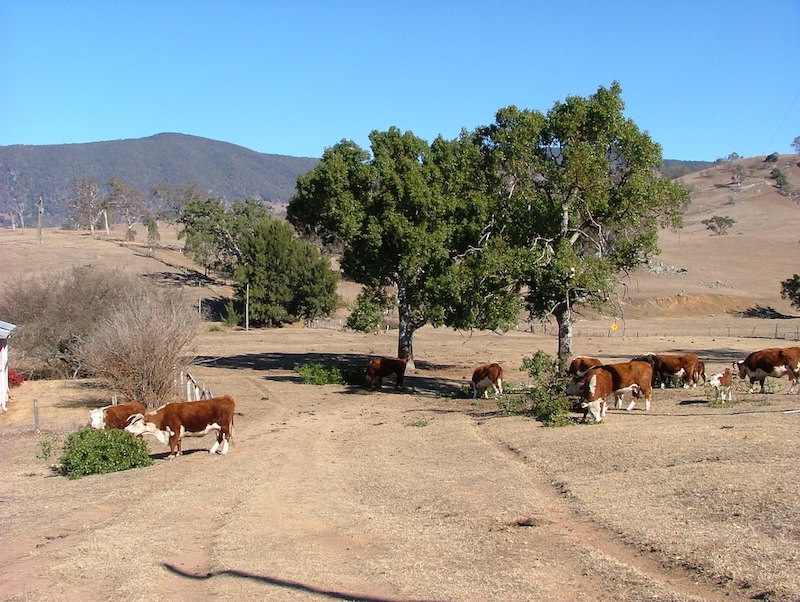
x=54, y=312
x=140, y=347
x=126, y=331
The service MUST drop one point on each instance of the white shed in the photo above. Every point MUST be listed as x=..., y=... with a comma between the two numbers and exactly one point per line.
x=5, y=332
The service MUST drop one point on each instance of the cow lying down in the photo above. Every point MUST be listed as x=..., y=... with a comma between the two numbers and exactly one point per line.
x=171, y=422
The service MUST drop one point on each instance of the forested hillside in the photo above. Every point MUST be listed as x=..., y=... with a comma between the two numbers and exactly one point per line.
x=218, y=168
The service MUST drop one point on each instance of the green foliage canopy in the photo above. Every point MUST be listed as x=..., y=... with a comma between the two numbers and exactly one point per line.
x=403, y=215
x=213, y=231
x=579, y=191
x=288, y=279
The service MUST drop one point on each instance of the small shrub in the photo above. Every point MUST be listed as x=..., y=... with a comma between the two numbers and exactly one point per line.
x=232, y=317
x=419, y=423
x=317, y=374
x=549, y=402
x=92, y=451
x=773, y=158
x=215, y=328
x=46, y=447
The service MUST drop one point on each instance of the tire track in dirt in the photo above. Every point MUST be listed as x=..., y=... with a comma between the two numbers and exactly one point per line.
x=600, y=545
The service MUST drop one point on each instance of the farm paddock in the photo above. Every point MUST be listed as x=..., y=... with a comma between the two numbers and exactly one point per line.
x=337, y=492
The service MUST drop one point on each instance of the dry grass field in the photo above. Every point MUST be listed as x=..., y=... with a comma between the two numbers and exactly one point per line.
x=336, y=492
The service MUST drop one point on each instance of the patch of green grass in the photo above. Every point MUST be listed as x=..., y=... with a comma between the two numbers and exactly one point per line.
x=419, y=423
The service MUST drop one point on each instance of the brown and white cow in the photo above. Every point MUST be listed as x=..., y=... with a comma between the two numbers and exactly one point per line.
x=668, y=367
x=723, y=383
x=579, y=365
x=775, y=362
x=485, y=376
x=115, y=416
x=173, y=421
x=595, y=385
x=379, y=367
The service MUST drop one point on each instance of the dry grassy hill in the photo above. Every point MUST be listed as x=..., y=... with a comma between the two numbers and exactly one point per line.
x=699, y=273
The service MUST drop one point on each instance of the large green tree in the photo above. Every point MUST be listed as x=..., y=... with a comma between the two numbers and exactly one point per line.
x=285, y=279
x=579, y=195
x=405, y=216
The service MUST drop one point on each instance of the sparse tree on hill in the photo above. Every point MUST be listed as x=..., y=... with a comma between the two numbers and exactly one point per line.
x=87, y=205
x=718, y=224
x=127, y=201
x=796, y=144
x=790, y=289
x=213, y=232
x=168, y=201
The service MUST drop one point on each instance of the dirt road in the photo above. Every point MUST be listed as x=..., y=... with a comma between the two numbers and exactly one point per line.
x=338, y=493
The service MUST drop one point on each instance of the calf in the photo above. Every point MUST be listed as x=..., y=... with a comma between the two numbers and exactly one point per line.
x=723, y=383
x=667, y=367
x=115, y=416
x=379, y=367
x=699, y=373
x=171, y=422
x=580, y=365
x=485, y=376
x=774, y=362
x=595, y=385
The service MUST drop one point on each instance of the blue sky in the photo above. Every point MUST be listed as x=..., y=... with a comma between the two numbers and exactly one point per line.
x=704, y=78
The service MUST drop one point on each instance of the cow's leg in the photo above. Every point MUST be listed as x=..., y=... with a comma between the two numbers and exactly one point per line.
x=214, y=447
x=499, y=386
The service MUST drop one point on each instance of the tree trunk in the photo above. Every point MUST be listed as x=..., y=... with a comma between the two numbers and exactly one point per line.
x=563, y=314
x=407, y=327
x=405, y=343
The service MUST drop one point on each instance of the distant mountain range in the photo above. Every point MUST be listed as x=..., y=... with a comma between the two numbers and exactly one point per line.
x=221, y=169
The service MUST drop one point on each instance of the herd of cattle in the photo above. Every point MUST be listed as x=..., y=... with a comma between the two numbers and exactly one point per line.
x=592, y=381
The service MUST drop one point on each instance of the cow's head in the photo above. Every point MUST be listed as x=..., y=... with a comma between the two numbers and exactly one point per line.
x=740, y=368
x=97, y=418
x=595, y=408
x=138, y=425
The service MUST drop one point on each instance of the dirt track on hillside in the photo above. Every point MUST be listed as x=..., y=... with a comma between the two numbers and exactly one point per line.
x=338, y=493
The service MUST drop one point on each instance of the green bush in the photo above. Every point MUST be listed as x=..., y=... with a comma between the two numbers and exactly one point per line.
x=317, y=374
x=773, y=158
x=92, y=451
x=232, y=317
x=549, y=402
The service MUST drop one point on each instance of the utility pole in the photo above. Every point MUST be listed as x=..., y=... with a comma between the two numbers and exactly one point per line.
x=40, y=205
